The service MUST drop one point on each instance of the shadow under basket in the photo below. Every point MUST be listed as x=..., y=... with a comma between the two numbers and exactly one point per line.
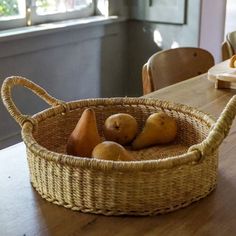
x=163, y=179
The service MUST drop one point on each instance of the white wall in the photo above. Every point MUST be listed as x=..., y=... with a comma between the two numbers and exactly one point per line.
x=212, y=23
x=230, y=18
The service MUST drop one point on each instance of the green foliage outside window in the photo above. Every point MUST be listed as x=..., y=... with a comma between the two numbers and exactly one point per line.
x=11, y=7
x=8, y=8
x=43, y=3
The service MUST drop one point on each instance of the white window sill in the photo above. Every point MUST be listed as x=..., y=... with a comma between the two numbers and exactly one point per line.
x=42, y=29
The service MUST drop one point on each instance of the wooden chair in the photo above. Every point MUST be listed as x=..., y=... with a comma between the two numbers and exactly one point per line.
x=174, y=65
x=228, y=48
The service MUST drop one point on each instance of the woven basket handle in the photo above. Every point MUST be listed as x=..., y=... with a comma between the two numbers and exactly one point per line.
x=219, y=131
x=12, y=81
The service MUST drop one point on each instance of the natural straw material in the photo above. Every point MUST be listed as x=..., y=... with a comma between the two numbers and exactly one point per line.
x=163, y=179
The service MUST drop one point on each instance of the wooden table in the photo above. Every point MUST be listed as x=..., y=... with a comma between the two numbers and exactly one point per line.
x=24, y=212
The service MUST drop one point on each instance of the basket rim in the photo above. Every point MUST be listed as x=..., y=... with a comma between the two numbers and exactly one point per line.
x=190, y=157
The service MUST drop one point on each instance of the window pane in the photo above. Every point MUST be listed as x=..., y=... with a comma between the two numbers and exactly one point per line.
x=12, y=9
x=44, y=7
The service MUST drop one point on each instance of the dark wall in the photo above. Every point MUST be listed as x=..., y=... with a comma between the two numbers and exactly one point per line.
x=101, y=59
x=146, y=38
x=70, y=64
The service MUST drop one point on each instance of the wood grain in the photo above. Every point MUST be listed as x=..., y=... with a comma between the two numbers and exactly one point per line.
x=24, y=212
x=226, y=50
x=171, y=66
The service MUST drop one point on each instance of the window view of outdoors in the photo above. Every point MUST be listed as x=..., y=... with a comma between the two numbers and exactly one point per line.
x=16, y=8
x=13, y=12
x=54, y=6
x=9, y=8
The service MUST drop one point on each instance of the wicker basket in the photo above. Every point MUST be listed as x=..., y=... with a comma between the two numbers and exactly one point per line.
x=164, y=179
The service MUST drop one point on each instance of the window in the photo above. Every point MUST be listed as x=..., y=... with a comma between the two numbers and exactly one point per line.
x=16, y=13
x=12, y=13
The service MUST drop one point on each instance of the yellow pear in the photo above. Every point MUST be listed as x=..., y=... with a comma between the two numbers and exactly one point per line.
x=85, y=136
x=159, y=128
x=109, y=150
x=232, y=61
x=120, y=128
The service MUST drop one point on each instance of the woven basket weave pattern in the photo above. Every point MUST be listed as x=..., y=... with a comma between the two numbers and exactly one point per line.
x=53, y=132
x=164, y=178
x=121, y=192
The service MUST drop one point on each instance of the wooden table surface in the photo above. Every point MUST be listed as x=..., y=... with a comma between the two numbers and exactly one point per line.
x=24, y=212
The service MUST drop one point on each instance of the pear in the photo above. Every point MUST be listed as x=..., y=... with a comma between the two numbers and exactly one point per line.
x=120, y=128
x=159, y=128
x=85, y=136
x=109, y=150
x=232, y=62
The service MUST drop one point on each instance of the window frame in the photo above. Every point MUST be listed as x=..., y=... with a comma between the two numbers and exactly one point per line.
x=31, y=17
x=12, y=23
x=15, y=21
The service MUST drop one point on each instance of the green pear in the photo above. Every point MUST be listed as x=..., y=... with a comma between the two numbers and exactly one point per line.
x=159, y=128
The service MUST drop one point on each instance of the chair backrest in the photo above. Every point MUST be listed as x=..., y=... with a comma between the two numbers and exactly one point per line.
x=174, y=65
x=228, y=48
